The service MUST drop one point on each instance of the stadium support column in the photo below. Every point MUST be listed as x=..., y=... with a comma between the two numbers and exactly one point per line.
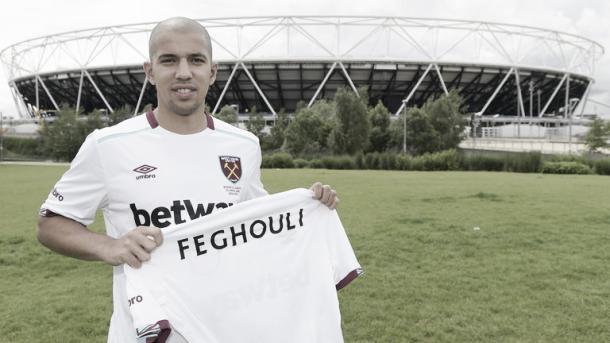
x=258, y=89
x=135, y=112
x=80, y=90
x=224, y=89
x=98, y=91
x=440, y=78
x=46, y=90
x=406, y=100
x=315, y=95
x=585, y=98
x=349, y=79
x=496, y=91
x=520, y=107
x=22, y=107
x=548, y=103
x=37, y=97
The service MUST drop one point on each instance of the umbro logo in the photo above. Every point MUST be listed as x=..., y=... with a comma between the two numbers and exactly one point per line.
x=145, y=170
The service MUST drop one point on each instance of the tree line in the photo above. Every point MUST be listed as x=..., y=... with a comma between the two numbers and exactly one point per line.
x=347, y=124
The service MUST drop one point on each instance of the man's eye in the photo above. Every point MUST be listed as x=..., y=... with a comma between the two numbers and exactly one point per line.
x=166, y=60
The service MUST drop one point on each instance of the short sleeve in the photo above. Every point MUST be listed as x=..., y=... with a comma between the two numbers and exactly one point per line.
x=344, y=263
x=81, y=190
x=149, y=320
x=254, y=187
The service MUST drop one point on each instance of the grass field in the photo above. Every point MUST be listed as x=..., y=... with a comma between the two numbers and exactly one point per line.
x=535, y=270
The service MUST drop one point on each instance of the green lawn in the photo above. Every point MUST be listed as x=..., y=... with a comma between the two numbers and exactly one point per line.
x=535, y=270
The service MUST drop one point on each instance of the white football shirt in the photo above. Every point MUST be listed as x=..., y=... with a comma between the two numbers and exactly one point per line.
x=138, y=173
x=266, y=270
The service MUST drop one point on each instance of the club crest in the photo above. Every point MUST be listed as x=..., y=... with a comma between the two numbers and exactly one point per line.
x=231, y=167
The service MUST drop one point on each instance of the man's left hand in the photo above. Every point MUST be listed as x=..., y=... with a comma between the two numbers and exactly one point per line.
x=325, y=194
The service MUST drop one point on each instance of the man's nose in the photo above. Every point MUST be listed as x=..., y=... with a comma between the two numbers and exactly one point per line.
x=184, y=70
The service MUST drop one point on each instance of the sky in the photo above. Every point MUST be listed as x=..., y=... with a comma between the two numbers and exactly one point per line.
x=25, y=19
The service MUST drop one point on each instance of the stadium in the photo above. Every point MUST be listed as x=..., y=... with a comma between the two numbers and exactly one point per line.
x=504, y=72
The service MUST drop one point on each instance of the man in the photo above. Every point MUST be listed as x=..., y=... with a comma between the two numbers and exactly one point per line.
x=154, y=170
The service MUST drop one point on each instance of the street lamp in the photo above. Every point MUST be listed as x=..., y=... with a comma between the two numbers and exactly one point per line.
x=1, y=137
x=404, y=128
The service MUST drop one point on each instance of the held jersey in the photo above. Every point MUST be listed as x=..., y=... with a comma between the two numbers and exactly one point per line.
x=266, y=270
x=138, y=173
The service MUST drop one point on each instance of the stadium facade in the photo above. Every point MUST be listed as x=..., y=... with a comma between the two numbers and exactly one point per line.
x=275, y=62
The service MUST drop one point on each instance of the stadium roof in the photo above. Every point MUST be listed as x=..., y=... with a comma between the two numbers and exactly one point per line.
x=274, y=62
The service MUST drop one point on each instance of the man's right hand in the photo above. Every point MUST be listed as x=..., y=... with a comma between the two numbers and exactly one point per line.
x=71, y=238
x=134, y=247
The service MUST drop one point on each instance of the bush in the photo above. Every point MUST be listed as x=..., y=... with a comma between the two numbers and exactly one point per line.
x=301, y=163
x=529, y=162
x=316, y=163
x=403, y=162
x=444, y=160
x=338, y=162
x=359, y=160
x=23, y=146
x=602, y=166
x=278, y=160
x=480, y=162
x=565, y=168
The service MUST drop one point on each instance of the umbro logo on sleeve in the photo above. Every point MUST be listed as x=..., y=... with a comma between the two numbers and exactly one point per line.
x=145, y=170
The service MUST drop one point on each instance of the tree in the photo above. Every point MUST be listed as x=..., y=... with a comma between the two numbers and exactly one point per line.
x=119, y=115
x=275, y=139
x=351, y=131
x=327, y=110
x=379, y=136
x=597, y=136
x=304, y=132
x=447, y=118
x=438, y=125
x=421, y=135
x=62, y=138
x=256, y=123
x=228, y=114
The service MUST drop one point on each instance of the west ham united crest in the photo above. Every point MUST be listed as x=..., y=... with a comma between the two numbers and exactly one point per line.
x=231, y=167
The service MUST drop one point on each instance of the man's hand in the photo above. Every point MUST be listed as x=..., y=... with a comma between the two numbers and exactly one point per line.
x=325, y=194
x=71, y=238
x=134, y=247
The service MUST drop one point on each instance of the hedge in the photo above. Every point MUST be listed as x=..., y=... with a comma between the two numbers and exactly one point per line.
x=531, y=162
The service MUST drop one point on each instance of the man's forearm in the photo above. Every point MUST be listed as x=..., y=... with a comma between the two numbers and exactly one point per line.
x=71, y=238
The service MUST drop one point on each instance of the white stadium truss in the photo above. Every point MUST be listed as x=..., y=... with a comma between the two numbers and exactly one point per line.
x=274, y=62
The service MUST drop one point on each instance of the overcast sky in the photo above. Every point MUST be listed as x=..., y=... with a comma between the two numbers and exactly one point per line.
x=24, y=19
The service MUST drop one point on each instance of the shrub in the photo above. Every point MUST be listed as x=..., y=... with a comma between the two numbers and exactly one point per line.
x=403, y=162
x=301, y=163
x=359, y=160
x=529, y=162
x=338, y=162
x=602, y=166
x=565, y=168
x=444, y=160
x=316, y=163
x=482, y=162
x=23, y=146
x=281, y=160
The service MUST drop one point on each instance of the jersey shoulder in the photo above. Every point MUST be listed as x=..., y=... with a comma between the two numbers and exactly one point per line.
x=129, y=126
x=230, y=130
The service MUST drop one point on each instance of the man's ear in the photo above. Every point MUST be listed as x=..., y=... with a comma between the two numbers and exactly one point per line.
x=213, y=73
x=149, y=72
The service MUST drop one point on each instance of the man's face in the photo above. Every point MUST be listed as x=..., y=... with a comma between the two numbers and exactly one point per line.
x=182, y=71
